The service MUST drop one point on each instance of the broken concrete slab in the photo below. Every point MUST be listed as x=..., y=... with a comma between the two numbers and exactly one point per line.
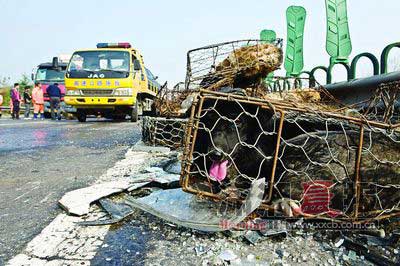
x=187, y=210
x=173, y=166
x=77, y=202
x=162, y=178
x=117, y=212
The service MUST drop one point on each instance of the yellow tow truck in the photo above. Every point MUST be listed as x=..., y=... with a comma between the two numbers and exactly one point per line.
x=111, y=81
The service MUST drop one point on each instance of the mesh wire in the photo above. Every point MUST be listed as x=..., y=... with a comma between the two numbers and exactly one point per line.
x=319, y=160
x=168, y=132
x=168, y=101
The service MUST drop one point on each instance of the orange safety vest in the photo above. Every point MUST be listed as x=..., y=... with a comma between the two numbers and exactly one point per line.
x=37, y=96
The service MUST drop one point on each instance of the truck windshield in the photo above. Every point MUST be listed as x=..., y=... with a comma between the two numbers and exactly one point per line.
x=99, y=64
x=49, y=74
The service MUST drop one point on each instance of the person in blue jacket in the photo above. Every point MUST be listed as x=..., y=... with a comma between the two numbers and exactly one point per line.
x=54, y=93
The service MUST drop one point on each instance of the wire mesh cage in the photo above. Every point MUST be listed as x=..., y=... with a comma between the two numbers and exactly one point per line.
x=168, y=132
x=168, y=101
x=239, y=64
x=320, y=161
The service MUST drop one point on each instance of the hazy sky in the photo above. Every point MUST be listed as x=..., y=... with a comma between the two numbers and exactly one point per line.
x=33, y=31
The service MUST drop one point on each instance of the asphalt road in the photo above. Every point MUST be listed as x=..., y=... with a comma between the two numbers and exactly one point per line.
x=41, y=160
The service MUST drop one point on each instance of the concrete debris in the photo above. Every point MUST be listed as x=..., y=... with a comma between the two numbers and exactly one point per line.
x=339, y=242
x=200, y=250
x=273, y=233
x=117, y=211
x=252, y=237
x=77, y=202
x=227, y=255
x=173, y=166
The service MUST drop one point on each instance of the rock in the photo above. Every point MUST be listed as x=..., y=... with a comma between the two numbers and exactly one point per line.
x=279, y=252
x=237, y=262
x=252, y=237
x=200, y=250
x=339, y=242
x=204, y=263
x=217, y=261
x=251, y=257
x=285, y=254
x=273, y=233
x=352, y=255
x=227, y=255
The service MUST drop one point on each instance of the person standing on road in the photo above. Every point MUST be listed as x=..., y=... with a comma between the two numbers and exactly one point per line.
x=27, y=102
x=38, y=101
x=54, y=93
x=16, y=100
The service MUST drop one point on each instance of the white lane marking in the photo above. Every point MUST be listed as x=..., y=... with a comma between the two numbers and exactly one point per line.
x=47, y=197
x=23, y=194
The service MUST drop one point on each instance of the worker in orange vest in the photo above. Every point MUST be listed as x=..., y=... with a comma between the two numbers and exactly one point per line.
x=38, y=101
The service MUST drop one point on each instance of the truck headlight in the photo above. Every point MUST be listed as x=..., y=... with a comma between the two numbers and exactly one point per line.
x=123, y=92
x=73, y=92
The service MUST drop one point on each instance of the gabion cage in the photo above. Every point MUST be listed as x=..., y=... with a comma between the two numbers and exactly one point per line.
x=168, y=101
x=338, y=163
x=228, y=64
x=168, y=132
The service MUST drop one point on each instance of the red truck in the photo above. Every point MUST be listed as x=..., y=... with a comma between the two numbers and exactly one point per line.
x=50, y=73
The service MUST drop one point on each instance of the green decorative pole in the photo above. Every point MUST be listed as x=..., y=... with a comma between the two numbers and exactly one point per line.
x=268, y=36
x=338, y=41
x=294, y=60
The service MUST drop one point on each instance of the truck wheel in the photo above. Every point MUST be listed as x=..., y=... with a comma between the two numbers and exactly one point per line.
x=135, y=112
x=81, y=115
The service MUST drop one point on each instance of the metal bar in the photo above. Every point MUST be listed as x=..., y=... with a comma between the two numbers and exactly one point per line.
x=195, y=128
x=278, y=143
x=357, y=172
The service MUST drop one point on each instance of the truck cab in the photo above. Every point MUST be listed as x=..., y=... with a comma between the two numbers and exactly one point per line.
x=111, y=81
x=50, y=73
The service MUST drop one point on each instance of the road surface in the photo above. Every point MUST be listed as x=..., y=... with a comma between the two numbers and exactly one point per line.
x=41, y=160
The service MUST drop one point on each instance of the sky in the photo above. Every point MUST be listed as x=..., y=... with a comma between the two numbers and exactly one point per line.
x=33, y=31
